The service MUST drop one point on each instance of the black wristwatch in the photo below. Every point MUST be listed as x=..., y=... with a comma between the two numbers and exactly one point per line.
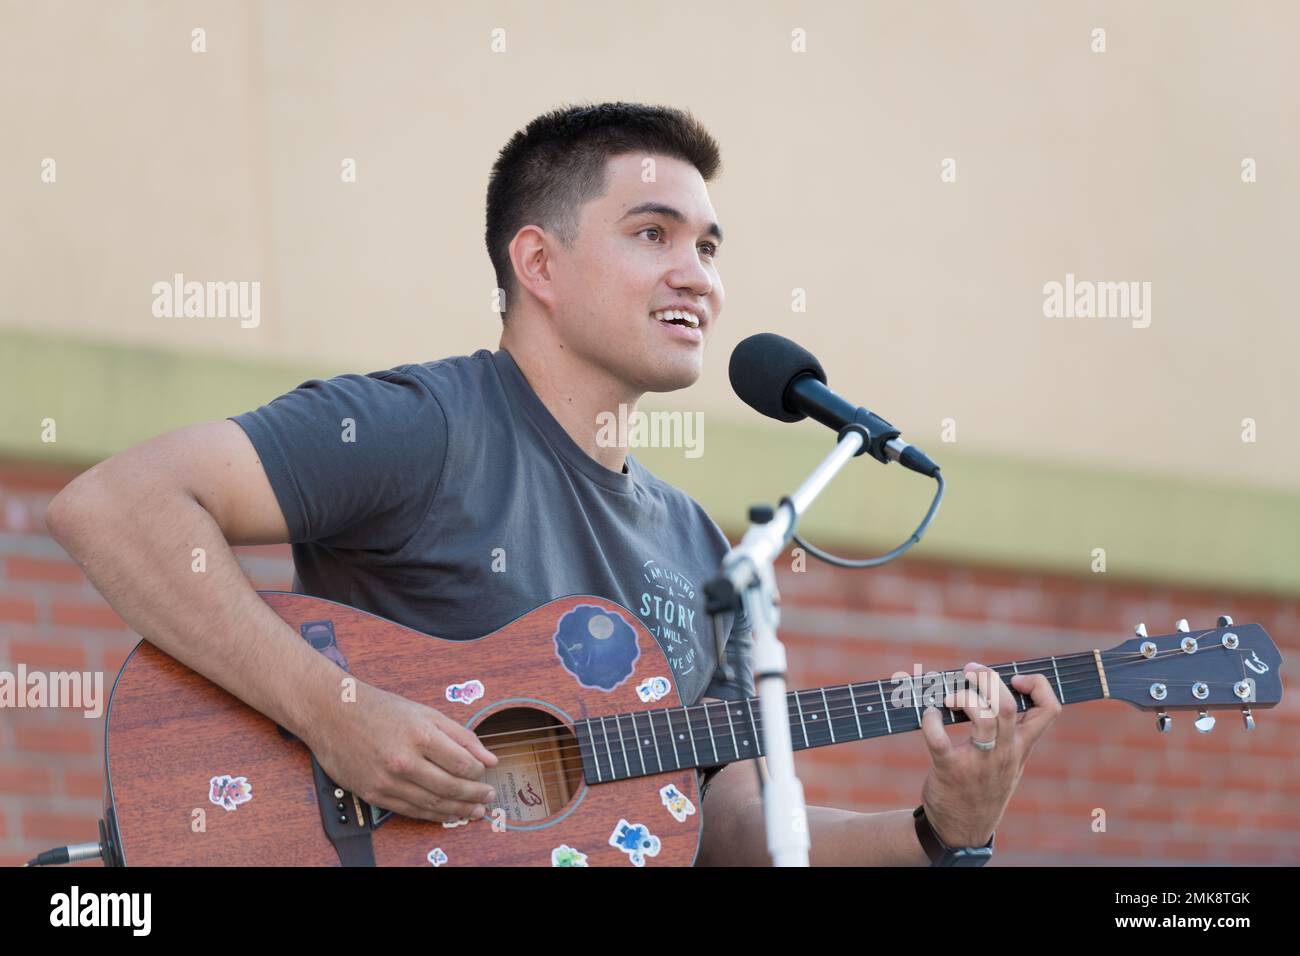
x=940, y=853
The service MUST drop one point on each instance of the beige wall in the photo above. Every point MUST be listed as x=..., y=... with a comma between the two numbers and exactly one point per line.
x=924, y=298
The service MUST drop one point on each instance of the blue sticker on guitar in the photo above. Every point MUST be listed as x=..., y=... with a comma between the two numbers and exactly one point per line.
x=596, y=646
x=636, y=840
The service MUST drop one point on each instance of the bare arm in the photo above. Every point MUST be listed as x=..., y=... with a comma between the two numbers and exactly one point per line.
x=133, y=522
x=735, y=832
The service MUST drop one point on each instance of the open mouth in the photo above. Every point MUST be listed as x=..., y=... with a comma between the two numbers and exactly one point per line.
x=676, y=317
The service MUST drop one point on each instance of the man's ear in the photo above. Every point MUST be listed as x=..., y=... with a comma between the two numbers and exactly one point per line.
x=530, y=257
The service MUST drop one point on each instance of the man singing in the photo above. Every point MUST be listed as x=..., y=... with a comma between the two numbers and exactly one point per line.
x=456, y=495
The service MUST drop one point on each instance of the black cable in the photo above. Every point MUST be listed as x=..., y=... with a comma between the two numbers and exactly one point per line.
x=72, y=853
x=884, y=558
x=56, y=857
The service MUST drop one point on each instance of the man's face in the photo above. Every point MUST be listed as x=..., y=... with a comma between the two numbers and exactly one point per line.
x=627, y=264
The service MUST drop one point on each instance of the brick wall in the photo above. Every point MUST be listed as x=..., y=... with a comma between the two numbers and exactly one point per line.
x=1227, y=797
x=52, y=618
x=1183, y=798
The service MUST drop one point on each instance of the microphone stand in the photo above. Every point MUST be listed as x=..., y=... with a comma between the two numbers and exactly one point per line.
x=746, y=577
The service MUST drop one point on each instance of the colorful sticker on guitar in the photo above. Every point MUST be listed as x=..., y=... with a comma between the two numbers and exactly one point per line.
x=653, y=688
x=467, y=692
x=636, y=840
x=678, y=804
x=229, y=792
x=436, y=856
x=596, y=646
x=565, y=855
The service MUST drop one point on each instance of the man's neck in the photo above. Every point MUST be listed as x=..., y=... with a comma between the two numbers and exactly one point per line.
x=573, y=391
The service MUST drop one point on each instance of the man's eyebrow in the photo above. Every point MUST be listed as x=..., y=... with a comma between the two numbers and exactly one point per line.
x=660, y=209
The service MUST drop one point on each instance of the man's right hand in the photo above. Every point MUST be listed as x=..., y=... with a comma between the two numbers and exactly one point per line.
x=400, y=755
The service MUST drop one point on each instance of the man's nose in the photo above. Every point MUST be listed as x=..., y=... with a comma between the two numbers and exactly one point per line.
x=691, y=274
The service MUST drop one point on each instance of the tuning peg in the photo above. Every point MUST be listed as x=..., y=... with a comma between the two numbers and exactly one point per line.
x=1182, y=625
x=1204, y=723
x=1164, y=721
x=1247, y=718
x=1140, y=630
x=1225, y=621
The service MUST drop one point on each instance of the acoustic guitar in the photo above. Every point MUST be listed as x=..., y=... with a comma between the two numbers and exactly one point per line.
x=597, y=754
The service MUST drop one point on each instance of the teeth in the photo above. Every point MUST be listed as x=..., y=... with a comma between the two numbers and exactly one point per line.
x=669, y=314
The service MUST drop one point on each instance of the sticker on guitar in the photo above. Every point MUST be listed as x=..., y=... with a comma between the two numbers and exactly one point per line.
x=596, y=646
x=565, y=855
x=467, y=692
x=653, y=688
x=678, y=804
x=636, y=840
x=229, y=792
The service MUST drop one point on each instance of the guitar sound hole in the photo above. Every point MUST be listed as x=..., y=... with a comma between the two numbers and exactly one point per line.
x=540, y=767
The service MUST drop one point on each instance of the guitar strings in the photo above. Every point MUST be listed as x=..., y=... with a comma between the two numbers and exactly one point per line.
x=640, y=766
x=873, y=720
x=838, y=692
x=1083, y=664
x=1089, y=666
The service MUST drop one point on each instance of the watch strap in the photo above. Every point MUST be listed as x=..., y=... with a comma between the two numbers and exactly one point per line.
x=940, y=853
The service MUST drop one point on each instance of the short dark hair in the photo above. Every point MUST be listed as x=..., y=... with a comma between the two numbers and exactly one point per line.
x=558, y=163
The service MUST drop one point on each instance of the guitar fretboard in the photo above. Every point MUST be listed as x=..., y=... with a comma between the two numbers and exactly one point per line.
x=711, y=734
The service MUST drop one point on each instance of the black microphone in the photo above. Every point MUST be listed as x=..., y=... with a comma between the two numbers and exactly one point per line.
x=783, y=380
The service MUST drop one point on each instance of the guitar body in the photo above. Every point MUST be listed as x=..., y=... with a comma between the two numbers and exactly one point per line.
x=196, y=777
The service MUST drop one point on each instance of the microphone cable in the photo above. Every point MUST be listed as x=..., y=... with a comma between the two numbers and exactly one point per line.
x=884, y=558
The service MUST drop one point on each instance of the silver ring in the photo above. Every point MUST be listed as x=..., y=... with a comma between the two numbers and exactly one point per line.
x=984, y=745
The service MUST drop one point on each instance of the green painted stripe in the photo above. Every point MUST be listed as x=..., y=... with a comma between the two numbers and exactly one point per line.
x=104, y=397
x=1002, y=510
x=1021, y=513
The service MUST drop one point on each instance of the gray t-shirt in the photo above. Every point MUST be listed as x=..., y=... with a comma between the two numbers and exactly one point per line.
x=446, y=497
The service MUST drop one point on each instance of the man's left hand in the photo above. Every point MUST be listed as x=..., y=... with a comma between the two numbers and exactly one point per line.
x=968, y=788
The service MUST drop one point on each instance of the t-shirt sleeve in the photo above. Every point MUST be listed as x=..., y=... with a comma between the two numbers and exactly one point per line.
x=740, y=657
x=354, y=461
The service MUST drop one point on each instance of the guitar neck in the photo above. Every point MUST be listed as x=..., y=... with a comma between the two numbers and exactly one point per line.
x=620, y=746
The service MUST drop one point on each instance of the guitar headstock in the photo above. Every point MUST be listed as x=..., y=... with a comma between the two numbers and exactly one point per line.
x=1225, y=666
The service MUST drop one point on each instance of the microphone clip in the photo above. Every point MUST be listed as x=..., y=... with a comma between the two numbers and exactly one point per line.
x=875, y=431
